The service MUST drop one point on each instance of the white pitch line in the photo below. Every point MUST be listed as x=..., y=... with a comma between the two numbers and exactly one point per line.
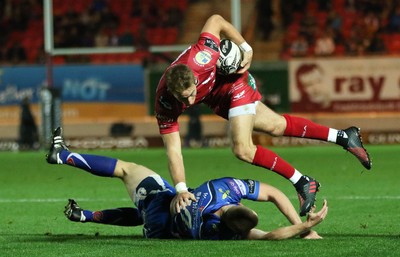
x=56, y=200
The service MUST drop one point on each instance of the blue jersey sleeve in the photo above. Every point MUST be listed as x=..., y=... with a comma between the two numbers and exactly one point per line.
x=249, y=188
x=252, y=189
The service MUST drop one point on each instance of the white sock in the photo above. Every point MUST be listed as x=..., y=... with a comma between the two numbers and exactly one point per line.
x=83, y=218
x=332, y=135
x=296, y=177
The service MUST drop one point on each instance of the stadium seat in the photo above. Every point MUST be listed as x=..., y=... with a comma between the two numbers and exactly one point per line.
x=321, y=19
x=155, y=36
x=170, y=35
x=393, y=44
x=338, y=5
x=339, y=50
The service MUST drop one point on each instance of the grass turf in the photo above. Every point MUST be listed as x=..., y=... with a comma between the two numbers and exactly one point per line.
x=363, y=217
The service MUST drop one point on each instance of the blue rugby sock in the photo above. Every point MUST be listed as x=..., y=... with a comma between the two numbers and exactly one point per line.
x=95, y=164
x=88, y=216
x=124, y=216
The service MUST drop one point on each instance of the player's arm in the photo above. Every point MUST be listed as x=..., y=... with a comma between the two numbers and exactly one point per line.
x=269, y=193
x=219, y=27
x=313, y=219
x=282, y=202
x=172, y=143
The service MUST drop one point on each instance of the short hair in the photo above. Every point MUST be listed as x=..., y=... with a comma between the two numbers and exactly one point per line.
x=240, y=219
x=179, y=78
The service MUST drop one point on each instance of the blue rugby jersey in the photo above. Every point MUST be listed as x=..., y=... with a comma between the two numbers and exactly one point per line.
x=198, y=220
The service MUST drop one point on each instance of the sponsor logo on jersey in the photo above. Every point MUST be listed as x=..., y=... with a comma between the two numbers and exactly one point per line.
x=202, y=58
x=251, y=184
x=211, y=44
x=252, y=82
x=234, y=187
x=241, y=186
x=225, y=193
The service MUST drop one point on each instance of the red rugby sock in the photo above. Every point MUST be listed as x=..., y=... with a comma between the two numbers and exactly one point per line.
x=300, y=127
x=270, y=160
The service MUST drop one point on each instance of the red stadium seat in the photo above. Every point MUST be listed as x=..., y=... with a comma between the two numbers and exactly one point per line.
x=155, y=36
x=170, y=35
x=339, y=50
x=393, y=44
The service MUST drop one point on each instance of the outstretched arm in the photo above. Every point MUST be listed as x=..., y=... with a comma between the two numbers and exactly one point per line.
x=282, y=202
x=176, y=167
x=269, y=193
x=219, y=27
x=313, y=219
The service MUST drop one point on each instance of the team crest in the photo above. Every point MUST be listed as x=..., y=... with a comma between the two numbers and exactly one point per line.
x=202, y=58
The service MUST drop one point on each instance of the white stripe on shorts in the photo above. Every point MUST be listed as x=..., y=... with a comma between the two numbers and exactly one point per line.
x=243, y=110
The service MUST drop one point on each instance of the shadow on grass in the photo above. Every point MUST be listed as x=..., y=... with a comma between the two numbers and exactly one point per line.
x=345, y=236
x=48, y=237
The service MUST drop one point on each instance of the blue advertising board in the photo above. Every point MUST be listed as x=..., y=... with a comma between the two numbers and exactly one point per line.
x=83, y=83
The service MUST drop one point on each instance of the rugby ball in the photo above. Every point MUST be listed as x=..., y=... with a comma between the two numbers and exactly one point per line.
x=230, y=57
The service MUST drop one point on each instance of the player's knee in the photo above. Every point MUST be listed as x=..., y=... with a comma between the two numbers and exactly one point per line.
x=274, y=125
x=278, y=127
x=124, y=169
x=242, y=152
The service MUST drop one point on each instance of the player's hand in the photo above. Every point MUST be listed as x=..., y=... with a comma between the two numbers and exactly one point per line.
x=311, y=235
x=245, y=64
x=180, y=201
x=316, y=218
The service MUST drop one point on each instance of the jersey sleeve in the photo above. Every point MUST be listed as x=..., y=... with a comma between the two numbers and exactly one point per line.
x=210, y=41
x=204, y=54
x=167, y=109
x=167, y=113
x=249, y=188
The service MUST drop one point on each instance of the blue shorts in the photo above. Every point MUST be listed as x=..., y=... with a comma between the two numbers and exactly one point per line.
x=153, y=196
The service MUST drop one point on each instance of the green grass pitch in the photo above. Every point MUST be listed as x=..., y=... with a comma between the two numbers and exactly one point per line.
x=363, y=219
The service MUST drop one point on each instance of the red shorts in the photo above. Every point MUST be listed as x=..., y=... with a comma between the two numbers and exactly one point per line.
x=232, y=91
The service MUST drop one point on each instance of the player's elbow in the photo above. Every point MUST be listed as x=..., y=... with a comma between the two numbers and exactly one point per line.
x=216, y=18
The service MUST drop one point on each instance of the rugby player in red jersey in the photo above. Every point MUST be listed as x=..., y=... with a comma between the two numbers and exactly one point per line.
x=193, y=78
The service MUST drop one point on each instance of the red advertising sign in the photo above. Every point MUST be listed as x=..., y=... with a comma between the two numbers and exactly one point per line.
x=345, y=85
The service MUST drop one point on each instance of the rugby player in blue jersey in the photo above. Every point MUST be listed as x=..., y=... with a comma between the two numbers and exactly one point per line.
x=216, y=214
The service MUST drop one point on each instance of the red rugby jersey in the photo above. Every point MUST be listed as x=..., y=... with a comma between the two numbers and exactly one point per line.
x=201, y=58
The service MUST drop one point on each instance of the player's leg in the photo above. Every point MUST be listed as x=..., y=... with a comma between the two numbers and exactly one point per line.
x=95, y=164
x=60, y=154
x=124, y=216
x=241, y=132
x=130, y=173
x=288, y=125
